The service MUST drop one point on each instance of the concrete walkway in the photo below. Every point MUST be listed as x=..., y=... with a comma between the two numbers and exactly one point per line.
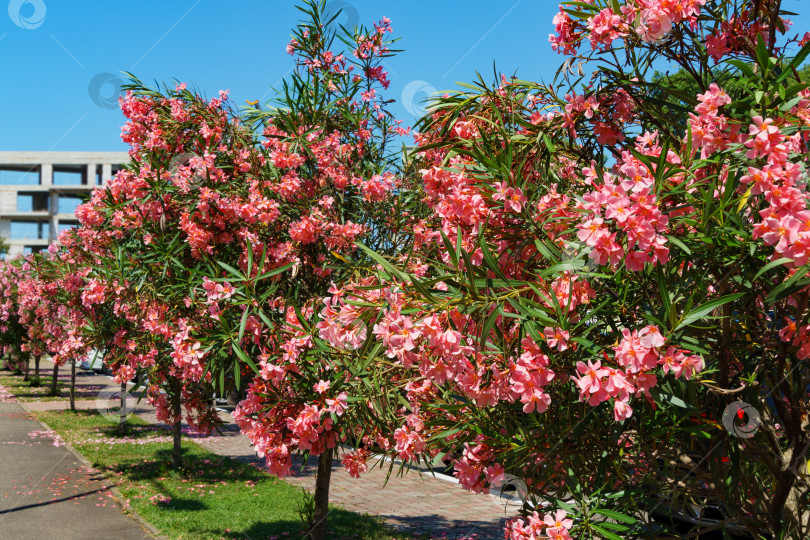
x=47, y=492
x=414, y=503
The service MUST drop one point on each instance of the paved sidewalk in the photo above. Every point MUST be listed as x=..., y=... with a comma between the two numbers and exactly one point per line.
x=46, y=492
x=414, y=503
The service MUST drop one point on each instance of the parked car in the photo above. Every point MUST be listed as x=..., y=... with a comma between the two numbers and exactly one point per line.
x=704, y=513
x=93, y=361
x=690, y=512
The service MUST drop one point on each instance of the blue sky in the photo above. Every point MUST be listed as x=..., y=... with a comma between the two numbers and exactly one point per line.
x=46, y=100
x=59, y=75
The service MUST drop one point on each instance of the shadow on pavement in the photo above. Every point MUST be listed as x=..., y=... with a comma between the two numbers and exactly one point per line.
x=54, y=501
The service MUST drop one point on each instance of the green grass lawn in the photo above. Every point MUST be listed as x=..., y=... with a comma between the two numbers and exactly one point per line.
x=31, y=390
x=211, y=497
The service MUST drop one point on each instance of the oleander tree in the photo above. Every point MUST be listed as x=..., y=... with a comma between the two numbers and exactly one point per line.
x=595, y=289
x=37, y=313
x=47, y=307
x=600, y=286
x=142, y=238
x=13, y=333
x=215, y=243
x=92, y=319
x=333, y=177
x=31, y=315
x=70, y=326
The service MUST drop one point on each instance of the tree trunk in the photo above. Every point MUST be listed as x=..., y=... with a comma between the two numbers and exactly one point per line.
x=54, y=391
x=798, y=511
x=27, y=360
x=177, y=412
x=73, y=386
x=37, y=358
x=318, y=526
x=122, y=413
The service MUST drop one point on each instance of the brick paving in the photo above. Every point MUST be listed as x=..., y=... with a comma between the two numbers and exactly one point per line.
x=414, y=502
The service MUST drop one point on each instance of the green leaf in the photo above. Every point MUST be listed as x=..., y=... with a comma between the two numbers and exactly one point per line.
x=243, y=323
x=669, y=311
x=795, y=63
x=451, y=251
x=488, y=324
x=445, y=434
x=244, y=357
x=680, y=244
x=549, y=144
x=231, y=270
x=275, y=271
x=382, y=262
x=742, y=66
x=564, y=505
x=265, y=319
x=605, y=533
x=459, y=236
x=577, y=14
x=790, y=92
x=772, y=264
x=614, y=526
x=791, y=285
x=250, y=259
x=704, y=309
x=581, y=5
x=618, y=516
x=492, y=264
x=470, y=271
x=762, y=53
x=659, y=396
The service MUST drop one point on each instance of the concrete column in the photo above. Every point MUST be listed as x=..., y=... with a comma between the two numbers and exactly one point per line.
x=46, y=174
x=90, y=175
x=53, y=203
x=54, y=230
x=8, y=201
x=106, y=173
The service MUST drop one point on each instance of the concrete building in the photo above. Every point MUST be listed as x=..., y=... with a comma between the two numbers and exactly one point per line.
x=39, y=192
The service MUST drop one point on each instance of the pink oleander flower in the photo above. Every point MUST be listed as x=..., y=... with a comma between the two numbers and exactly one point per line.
x=590, y=382
x=322, y=386
x=621, y=410
x=654, y=24
x=535, y=401
x=355, y=462
x=513, y=198
x=556, y=337
x=408, y=443
x=337, y=405
x=689, y=366
x=605, y=27
x=650, y=336
x=558, y=520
